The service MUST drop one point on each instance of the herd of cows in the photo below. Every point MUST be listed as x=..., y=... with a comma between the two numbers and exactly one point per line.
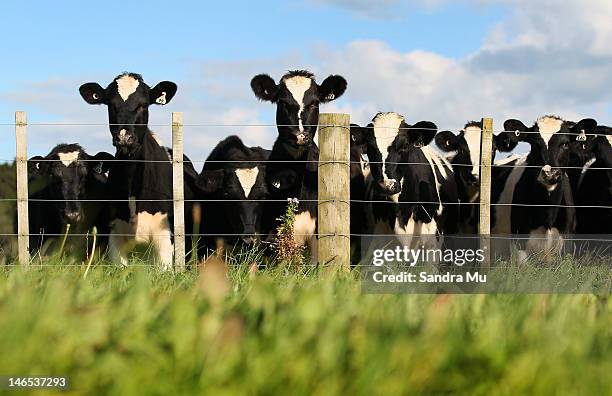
x=407, y=180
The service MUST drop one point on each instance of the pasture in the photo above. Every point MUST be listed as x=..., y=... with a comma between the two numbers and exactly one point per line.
x=292, y=331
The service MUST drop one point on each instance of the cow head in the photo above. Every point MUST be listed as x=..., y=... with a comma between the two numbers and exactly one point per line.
x=549, y=139
x=385, y=141
x=128, y=99
x=464, y=150
x=67, y=170
x=245, y=190
x=297, y=98
x=585, y=148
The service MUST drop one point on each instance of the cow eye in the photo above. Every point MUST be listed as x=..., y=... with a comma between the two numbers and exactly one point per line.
x=564, y=146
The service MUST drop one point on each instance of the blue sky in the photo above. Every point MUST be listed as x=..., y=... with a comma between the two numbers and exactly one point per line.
x=396, y=55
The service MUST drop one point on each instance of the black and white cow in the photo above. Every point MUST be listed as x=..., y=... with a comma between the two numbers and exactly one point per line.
x=293, y=174
x=463, y=151
x=416, y=183
x=234, y=191
x=144, y=188
x=67, y=186
x=359, y=173
x=540, y=179
x=590, y=155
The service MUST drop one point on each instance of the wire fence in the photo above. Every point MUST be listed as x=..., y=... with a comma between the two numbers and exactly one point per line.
x=515, y=163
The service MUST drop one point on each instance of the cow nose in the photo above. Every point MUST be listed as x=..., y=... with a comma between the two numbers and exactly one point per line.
x=302, y=138
x=549, y=176
x=474, y=180
x=391, y=186
x=73, y=216
x=124, y=138
x=550, y=172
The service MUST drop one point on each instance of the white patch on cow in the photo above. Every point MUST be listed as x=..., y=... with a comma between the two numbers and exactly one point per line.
x=68, y=158
x=440, y=163
x=472, y=137
x=548, y=126
x=588, y=164
x=503, y=212
x=584, y=170
x=142, y=228
x=609, y=138
x=247, y=178
x=386, y=128
x=297, y=86
x=304, y=228
x=126, y=85
x=395, y=197
x=544, y=241
x=417, y=234
x=365, y=166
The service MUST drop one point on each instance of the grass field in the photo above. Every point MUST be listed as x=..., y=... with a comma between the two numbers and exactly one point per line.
x=135, y=331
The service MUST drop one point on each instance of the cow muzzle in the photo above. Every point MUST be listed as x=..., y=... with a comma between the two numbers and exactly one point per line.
x=72, y=216
x=123, y=138
x=390, y=186
x=549, y=177
x=302, y=138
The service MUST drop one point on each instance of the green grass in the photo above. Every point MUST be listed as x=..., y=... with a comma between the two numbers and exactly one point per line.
x=136, y=331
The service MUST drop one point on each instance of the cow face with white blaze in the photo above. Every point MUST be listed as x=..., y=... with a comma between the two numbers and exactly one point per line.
x=244, y=188
x=67, y=169
x=234, y=189
x=128, y=99
x=297, y=98
x=463, y=151
x=549, y=139
x=384, y=151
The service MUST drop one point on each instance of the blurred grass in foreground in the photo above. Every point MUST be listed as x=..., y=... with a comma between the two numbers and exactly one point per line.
x=135, y=332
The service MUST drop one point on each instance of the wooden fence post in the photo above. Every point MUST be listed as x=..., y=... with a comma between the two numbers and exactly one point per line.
x=486, y=154
x=178, y=191
x=334, y=187
x=21, y=159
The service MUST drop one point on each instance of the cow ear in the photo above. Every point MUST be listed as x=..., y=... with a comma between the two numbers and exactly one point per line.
x=162, y=93
x=582, y=128
x=285, y=179
x=93, y=93
x=37, y=166
x=603, y=130
x=332, y=88
x=505, y=142
x=447, y=141
x=421, y=133
x=513, y=125
x=101, y=162
x=210, y=181
x=264, y=87
x=357, y=134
